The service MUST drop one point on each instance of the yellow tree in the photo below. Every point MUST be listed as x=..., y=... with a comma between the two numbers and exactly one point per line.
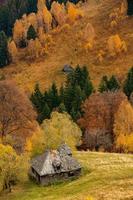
x=36, y=144
x=74, y=13
x=39, y=16
x=59, y=13
x=47, y=19
x=32, y=20
x=40, y=4
x=31, y=49
x=13, y=51
x=38, y=48
x=59, y=129
x=123, y=127
x=18, y=32
x=35, y=49
x=89, y=36
x=123, y=8
x=12, y=167
x=89, y=33
x=116, y=45
x=41, y=36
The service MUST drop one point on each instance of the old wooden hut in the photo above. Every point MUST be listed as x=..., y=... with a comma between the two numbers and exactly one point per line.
x=53, y=166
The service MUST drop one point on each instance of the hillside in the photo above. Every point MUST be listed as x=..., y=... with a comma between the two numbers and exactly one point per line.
x=67, y=50
x=105, y=177
x=91, y=39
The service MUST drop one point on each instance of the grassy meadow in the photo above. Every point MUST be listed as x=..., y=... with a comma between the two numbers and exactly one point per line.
x=104, y=177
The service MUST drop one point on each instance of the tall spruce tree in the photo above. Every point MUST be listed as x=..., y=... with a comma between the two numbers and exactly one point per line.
x=61, y=93
x=88, y=88
x=55, y=99
x=130, y=7
x=31, y=6
x=103, y=84
x=84, y=77
x=37, y=98
x=108, y=84
x=128, y=85
x=45, y=114
x=68, y=97
x=78, y=98
x=4, y=54
x=113, y=84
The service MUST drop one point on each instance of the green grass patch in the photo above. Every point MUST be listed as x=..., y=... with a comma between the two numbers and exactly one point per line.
x=104, y=177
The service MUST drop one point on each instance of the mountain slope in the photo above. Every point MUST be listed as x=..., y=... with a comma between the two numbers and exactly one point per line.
x=68, y=49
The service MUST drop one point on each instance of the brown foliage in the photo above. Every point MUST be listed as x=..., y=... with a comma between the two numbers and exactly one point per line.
x=17, y=117
x=98, y=119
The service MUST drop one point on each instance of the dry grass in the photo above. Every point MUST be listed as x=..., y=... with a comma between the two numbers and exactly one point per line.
x=105, y=177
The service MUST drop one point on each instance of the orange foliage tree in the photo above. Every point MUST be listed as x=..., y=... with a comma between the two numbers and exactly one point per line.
x=19, y=32
x=116, y=45
x=74, y=13
x=123, y=128
x=98, y=118
x=47, y=18
x=13, y=51
x=59, y=13
x=17, y=117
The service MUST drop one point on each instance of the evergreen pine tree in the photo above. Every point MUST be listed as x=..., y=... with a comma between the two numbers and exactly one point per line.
x=4, y=54
x=31, y=33
x=71, y=78
x=88, y=88
x=37, y=98
x=128, y=85
x=45, y=114
x=85, y=72
x=75, y=115
x=78, y=75
x=113, y=84
x=130, y=7
x=31, y=6
x=84, y=77
x=54, y=98
x=61, y=94
x=77, y=99
x=103, y=84
x=69, y=94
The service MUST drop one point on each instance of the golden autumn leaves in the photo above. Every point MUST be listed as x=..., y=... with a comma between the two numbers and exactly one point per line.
x=43, y=22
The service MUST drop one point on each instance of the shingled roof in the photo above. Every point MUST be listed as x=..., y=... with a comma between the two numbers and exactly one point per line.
x=57, y=161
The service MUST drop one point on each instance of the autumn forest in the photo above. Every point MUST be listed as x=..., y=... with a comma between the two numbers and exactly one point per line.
x=66, y=78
